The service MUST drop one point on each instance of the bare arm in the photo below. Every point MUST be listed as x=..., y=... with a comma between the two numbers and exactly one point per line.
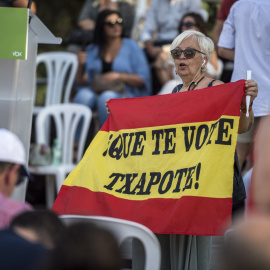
x=252, y=91
x=244, y=122
x=226, y=53
x=217, y=31
x=81, y=76
x=86, y=24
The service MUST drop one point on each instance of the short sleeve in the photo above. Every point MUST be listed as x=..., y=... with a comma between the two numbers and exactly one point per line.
x=227, y=36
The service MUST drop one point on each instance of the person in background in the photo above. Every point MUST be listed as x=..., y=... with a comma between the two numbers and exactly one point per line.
x=222, y=15
x=84, y=246
x=91, y=8
x=161, y=27
x=260, y=183
x=162, y=20
x=39, y=226
x=17, y=253
x=111, y=67
x=165, y=67
x=18, y=3
x=12, y=167
x=247, y=246
x=190, y=52
x=245, y=40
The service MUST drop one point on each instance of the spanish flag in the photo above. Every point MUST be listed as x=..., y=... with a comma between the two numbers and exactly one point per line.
x=163, y=161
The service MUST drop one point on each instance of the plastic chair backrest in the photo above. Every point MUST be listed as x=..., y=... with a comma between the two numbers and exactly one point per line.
x=61, y=68
x=122, y=230
x=66, y=118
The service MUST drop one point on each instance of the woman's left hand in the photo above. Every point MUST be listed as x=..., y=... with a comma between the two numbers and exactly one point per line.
x=110, y=76
x=107, y=107
x=251, y=89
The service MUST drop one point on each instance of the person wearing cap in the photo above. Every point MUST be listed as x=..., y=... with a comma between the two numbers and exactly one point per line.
x=12, y=167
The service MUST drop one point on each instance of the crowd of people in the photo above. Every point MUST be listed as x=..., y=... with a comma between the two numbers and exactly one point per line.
x=175, y=54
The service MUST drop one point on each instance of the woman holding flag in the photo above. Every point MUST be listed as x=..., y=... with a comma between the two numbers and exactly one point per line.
x=190, y=52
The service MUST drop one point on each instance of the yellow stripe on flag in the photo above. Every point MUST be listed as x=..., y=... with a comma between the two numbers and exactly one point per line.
x=161, y=162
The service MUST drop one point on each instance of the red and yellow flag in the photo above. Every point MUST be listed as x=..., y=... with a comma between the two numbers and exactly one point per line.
x=163, y=161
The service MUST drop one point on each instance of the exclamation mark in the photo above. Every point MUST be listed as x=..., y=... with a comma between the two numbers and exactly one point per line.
x=197, y=175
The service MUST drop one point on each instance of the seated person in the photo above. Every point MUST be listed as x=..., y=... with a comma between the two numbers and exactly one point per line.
x=12, y=166
x=162, y=20
x=91, y=8
x=115, y=67
x=165, y=67
x=39, y=226
x=84, y=246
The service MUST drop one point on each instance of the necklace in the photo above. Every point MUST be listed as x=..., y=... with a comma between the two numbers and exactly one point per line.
x=195, y=84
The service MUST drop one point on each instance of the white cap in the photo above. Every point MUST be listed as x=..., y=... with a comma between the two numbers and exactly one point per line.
x=12, y=149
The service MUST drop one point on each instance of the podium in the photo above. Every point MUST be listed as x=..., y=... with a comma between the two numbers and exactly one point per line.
x=17, y=85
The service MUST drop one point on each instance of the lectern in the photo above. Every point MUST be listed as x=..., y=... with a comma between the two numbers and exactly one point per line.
x=18, y=73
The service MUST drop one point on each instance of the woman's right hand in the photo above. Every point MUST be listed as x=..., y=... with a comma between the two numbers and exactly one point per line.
x=81, y=57
x=106, y=105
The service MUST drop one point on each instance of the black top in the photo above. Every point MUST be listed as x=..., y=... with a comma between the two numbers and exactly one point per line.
x=106, y=66
x=17, y=253
x=179, y=86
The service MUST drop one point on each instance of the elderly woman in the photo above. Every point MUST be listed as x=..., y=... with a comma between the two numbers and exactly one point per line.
x=190, y=52
x=165, y=68
x=112, y=67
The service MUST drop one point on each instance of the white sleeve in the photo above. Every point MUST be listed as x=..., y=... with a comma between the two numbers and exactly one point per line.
x=227, y=36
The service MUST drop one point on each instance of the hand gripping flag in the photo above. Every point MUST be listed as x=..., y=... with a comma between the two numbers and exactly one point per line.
x=163, y=161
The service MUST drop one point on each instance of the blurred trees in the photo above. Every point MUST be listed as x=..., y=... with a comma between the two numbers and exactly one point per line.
x=60, y=17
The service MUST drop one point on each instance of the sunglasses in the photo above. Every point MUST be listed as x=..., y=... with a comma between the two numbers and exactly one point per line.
x=188, y=24
x=188, y=53
x=119, y=21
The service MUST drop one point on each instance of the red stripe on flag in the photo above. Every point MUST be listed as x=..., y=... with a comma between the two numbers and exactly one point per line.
x=167, y=216
x=160, y=110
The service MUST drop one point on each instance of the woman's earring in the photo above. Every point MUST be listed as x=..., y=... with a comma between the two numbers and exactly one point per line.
x=176, y=72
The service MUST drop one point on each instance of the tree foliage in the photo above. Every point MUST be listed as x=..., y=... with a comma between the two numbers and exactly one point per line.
x=60, y=17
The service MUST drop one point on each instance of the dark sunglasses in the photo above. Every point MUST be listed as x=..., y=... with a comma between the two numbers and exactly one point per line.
x=188, y=24
x=114, y=22
x=188, y=53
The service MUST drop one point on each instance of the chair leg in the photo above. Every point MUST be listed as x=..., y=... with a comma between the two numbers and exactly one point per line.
x=50, y=191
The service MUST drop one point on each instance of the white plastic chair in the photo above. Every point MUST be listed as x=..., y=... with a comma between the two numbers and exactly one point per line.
x=123, y=230
x=66, y=118
x=61, y=68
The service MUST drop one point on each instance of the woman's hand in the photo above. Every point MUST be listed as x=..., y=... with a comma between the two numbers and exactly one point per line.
x=245, y=123
x=81, y=57
x=106, y=105
x=251, y=89
x=110, y=76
